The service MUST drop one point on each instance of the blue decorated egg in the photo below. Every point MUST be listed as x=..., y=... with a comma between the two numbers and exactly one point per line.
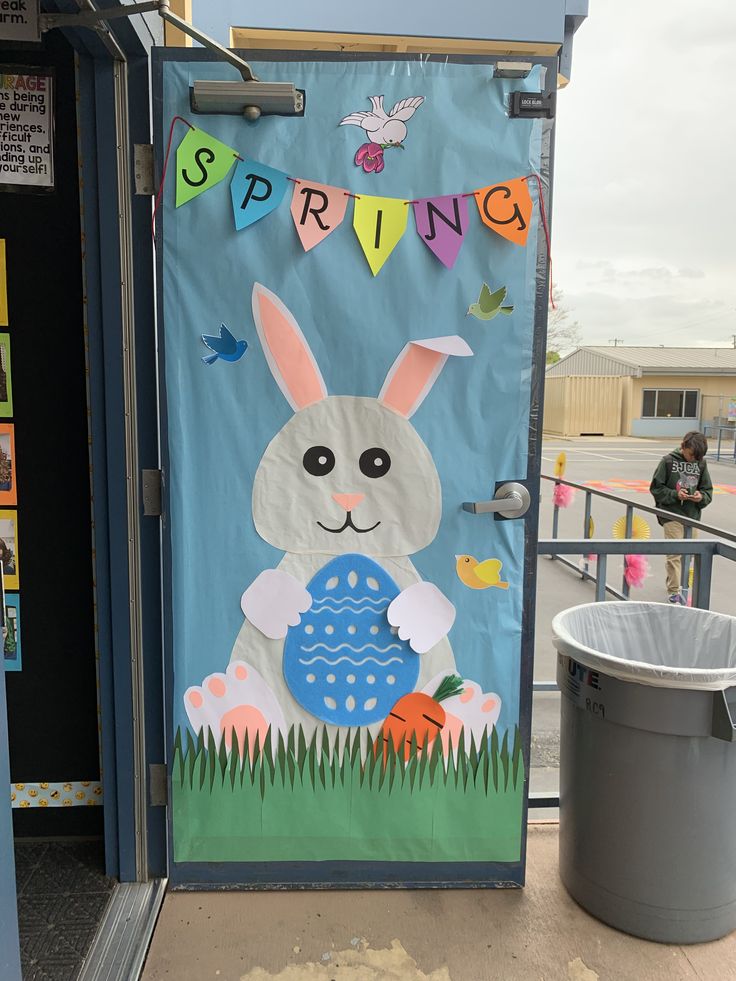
x=344, y=663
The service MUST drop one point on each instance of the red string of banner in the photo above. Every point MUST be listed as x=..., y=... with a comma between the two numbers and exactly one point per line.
x=545, y=226
x=157, y=202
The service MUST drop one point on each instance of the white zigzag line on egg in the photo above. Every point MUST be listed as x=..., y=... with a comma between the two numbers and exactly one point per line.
x=350, y=660
x=349, y=647
x=351, y=599
x=350, y=609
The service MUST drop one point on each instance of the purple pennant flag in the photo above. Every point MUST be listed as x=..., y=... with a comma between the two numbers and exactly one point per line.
x=441, y=225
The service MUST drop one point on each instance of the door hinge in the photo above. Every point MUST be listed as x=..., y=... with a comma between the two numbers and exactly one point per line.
x=157, y=789
x=151, y=486
x=143, y=168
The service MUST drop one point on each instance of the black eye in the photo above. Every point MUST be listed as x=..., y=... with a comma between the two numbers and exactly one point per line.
x=318, y=460
x=374, y=462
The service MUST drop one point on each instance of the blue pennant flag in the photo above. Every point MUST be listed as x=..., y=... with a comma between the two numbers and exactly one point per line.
x=256, y=191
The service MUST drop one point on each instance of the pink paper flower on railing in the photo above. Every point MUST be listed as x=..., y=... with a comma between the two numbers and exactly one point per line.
x=636, y=569
x=563, y=496
x=370, y=158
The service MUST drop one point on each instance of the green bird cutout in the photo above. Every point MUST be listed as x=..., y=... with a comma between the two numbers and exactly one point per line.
x=489, y=304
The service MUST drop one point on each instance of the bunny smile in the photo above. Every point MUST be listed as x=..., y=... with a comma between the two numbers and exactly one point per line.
x=348, y=523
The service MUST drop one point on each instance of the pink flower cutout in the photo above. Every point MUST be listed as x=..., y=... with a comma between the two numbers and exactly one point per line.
x=370, y=158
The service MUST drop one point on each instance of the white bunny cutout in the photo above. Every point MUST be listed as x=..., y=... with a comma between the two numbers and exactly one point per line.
x=348, y=491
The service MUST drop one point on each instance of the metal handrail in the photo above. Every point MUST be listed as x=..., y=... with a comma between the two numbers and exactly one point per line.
x=659, y=512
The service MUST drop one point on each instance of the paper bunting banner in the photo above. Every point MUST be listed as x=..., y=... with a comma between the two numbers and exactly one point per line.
x=379, y=224
x=317, y=210
x=201, y=162
x=256, y=190
x=441, y=225
x=506, y=208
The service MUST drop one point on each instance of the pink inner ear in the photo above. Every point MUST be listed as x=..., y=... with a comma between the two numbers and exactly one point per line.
x=417, y=367
x=291, y=355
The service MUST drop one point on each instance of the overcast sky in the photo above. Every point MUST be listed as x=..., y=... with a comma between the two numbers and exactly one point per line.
x=645, y=174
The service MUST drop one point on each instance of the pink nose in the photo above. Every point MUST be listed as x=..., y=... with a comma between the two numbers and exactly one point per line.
x=348, y=501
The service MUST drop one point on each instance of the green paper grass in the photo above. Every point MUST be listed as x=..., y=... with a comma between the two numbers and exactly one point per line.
x=307, y=801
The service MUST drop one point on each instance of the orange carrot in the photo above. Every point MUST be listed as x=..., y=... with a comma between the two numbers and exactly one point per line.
x=419, y=715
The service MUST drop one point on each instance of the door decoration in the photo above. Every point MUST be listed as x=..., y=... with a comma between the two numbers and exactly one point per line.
x=347, y=696
x=317, y=210
x=385, y=130
x=223, y=347
x=489, y=304
x=441, y=224
x=480, y=575
x=201, y=162
x=256, y=191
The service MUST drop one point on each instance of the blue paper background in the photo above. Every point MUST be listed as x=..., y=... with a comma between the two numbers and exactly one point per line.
x=220, y=418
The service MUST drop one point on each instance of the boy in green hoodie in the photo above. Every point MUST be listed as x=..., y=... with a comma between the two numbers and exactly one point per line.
x=681, y=484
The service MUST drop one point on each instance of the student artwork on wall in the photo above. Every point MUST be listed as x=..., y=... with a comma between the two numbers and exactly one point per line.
x=9, y=548
x=6, y=383
x=3, y=286
x=347, y=688
x=11, y=633
x=8, y=477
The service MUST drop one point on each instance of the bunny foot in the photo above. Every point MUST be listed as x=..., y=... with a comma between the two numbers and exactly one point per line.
x=473, y=710
x=238, y=701
x=422, y=614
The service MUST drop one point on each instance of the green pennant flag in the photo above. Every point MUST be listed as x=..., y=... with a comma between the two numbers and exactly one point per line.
x=201, y=162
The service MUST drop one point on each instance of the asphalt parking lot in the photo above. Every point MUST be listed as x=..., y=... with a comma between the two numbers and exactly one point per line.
x=623, y=467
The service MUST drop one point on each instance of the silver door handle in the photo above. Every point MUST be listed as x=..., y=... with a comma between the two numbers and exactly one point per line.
x=512, y=500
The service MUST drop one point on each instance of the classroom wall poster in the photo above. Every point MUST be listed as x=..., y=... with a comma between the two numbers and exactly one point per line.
x=26, y=129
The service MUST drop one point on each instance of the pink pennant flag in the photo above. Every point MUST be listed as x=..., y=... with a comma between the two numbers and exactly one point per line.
x=441, y=225
x=317, y=210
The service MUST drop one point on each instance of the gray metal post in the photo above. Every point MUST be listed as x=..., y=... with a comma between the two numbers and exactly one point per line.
x=625, y=589
x=600, y=578
x=703, y=573
x=685, y=566
x=586, y=527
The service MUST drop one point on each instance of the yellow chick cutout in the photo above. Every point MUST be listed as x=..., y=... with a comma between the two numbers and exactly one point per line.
x=479, y=575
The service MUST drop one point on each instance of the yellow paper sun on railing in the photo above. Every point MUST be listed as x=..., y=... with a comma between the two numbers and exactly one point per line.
x=639, y=528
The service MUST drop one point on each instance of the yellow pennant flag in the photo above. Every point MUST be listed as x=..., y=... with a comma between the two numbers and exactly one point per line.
x=379, y=224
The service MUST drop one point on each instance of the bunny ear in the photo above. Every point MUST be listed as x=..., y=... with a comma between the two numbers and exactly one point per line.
x=288, y=355
x=416, y=369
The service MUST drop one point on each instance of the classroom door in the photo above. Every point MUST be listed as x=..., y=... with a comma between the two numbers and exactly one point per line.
x=353, y=306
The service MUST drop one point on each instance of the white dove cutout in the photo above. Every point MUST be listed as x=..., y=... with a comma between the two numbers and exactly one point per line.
x=386, y=129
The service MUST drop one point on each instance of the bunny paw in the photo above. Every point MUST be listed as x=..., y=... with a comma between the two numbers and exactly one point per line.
x=422, y=614
x=473, y=710
x=237, y=701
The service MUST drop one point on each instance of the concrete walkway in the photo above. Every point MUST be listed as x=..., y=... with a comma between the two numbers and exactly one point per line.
x=535, y=934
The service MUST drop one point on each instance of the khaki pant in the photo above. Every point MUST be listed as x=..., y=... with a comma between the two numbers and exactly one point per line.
x=674, y=530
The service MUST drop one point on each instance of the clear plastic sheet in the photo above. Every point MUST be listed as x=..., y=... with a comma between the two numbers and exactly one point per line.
x=651, y=643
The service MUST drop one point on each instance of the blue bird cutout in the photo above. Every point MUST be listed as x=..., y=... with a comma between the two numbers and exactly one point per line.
x=225, y=346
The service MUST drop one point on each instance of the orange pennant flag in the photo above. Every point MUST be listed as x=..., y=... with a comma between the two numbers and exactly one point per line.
x=506, y=208
x=317, y=210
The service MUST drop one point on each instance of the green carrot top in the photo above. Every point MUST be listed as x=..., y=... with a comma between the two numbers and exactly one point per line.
x=450, y=685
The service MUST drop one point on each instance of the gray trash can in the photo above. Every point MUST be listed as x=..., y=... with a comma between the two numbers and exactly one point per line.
x=648, y=767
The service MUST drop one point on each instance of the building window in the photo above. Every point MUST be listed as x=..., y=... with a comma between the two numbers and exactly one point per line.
x=670, y=403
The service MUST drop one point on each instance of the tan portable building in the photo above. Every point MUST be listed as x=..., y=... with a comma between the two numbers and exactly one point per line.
x=640, y=391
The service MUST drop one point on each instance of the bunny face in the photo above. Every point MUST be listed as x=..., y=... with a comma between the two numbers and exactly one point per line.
x=347, y=475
